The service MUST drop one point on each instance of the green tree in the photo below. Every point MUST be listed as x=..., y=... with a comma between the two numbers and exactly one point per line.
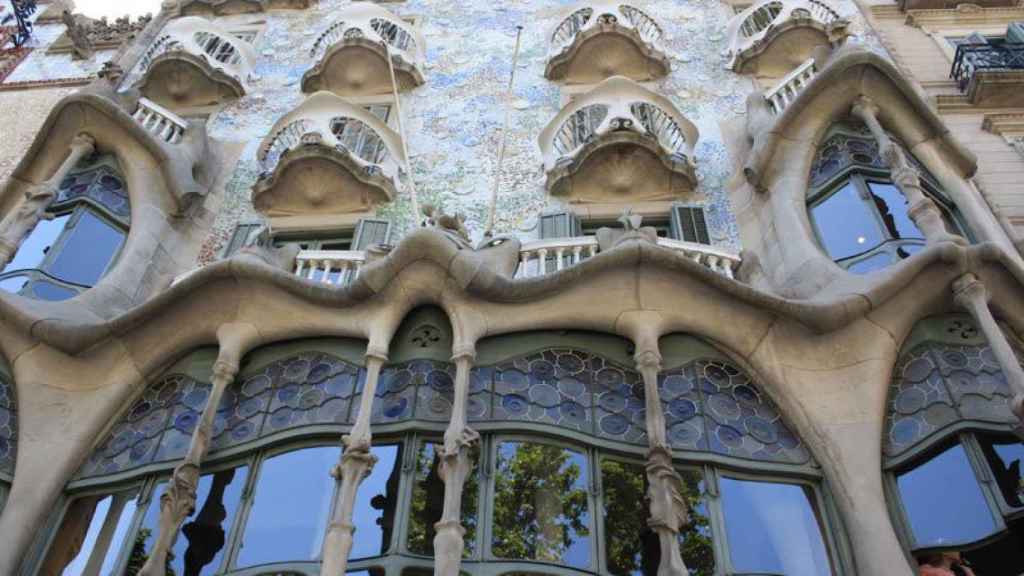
x=139, y=555
x=540, y=503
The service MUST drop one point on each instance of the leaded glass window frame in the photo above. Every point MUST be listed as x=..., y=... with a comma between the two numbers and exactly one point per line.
x=860, y=168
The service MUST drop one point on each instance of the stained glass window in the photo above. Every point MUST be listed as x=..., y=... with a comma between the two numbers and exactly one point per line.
x=306, y=389
x=8, y=428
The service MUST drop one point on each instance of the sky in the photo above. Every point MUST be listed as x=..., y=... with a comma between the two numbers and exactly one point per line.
x=115, y=8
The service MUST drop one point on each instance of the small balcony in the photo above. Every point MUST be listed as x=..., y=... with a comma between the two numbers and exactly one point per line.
x=195, y=63
x=163, y=124
x=990, y=75
x=334, y=267
x=544, y=257
x=352, y=54
x=774, y=36
x=619, y=143
x=600, y=39
x=327, y=157
x=780, y=97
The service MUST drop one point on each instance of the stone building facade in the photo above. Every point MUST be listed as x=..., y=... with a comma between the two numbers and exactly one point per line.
x=300, y=287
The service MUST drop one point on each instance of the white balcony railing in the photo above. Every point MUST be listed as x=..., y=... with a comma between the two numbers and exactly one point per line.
x=790, y=87
x=204, y=40
x=335, y=267
x=547, y=256
x=160, y=122
x=756, y=27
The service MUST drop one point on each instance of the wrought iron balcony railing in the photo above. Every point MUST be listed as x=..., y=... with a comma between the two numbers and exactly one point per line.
x=973, y=58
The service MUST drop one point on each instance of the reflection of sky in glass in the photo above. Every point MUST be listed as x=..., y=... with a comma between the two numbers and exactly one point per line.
x=32, y=250
x=88, y=250
x=846, y=224
x=291, y=503
x=99, y=518
x=232, y=496
x=577, y=554
x=1009, y=457
x=944, y=502
x=772, y=528
x=892, y=205
x=369, y=536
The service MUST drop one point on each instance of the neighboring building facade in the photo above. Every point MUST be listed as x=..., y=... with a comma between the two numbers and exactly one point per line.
x=295, y=287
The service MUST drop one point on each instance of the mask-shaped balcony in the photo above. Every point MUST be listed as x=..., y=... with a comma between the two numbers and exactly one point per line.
x=352, y=54
x=602, y=38
x=619, y=143
x=327, y=157
x=195, y=63
x=229, y=7
x=774, y=36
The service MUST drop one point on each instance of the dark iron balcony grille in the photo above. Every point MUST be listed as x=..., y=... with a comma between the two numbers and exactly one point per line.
x=971, y=58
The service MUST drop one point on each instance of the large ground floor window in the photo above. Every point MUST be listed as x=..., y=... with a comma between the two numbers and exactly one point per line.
x=533, y=504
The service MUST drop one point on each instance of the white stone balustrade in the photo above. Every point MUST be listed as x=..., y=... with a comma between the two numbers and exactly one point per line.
x=790, y=87
x=334, y=267
x=750, y=31
x=160, y=122
x=594, y=14
x=206, y=41
x=547, y=256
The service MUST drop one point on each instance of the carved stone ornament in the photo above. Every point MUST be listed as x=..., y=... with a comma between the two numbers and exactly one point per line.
x=453, y=226
x=608, y=238
x=84, y=35
x=669, y=512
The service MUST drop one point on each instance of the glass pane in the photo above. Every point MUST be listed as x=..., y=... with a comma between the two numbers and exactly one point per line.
x=199, y=548
x=773, y=528
x=46, y=290
x=541, y=507
x=376, y=501
x=87, y=250
x=875, y=262
x=33, y=250
x=892, y=206
x=291, y=504
x=1005, y=456
x=944, y=502
x=13, y=284
x=845, y=223
x=92, y=535
x=428, y=501
x=631, y=546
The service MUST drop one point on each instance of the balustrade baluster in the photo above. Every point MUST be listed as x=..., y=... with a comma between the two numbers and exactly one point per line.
x=328, y=267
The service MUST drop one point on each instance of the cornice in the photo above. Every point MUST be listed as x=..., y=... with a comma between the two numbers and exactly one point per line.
x=1007, y=124
x=964, y=15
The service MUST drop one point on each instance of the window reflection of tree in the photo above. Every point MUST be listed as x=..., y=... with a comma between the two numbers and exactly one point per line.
x=387, y=503
x=539, y=506
x=428, y=501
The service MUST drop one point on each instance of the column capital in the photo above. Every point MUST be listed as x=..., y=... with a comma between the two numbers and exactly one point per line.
x=969, y=291
x=864, y=107
x=83, y=143
x=647, y=359
x=467, y=351
x=373, y=353
x=224, y=369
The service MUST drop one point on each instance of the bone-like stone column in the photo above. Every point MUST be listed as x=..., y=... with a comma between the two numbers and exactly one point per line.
x=922, y=209
x=456, y=465
x=668, y=507
x=178, y=501
x=969, y=293
x=356, y=463
x=21, y=220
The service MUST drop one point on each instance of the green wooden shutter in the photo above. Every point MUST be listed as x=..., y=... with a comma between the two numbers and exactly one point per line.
x=688, y=224
x=243, y=236
x=370, y=232
x=1015, y=33
x=560, y=225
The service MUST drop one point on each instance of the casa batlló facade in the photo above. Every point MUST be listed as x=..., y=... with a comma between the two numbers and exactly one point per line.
x=300, y=287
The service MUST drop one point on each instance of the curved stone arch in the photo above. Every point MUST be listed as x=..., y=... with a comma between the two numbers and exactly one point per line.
x=784, y=147
x=945, y=380
x=286, y=390
x=101, y=115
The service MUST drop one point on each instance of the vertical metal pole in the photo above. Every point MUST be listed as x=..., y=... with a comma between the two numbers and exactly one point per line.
x=489, y=230
x=401, y=132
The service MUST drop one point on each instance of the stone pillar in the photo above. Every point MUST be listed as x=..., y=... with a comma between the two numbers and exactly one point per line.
x=356, y=463
x=455, y=467
x=921, y=209
x=969, y=293
x=668, y=507
x=179, y=498
x=22, y=219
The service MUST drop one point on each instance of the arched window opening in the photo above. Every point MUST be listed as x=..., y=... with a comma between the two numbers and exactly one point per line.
x=953, y=467
x=80, y=238
x=8, y=434
x=859, y=215
x=558, y=482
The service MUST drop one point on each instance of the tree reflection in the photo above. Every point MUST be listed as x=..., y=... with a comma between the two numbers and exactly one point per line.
x=428, y=501
x=138, y=556
x=540, y=504
x=632, y=547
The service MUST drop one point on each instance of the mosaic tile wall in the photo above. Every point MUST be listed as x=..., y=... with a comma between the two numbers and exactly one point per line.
x=453, y=122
